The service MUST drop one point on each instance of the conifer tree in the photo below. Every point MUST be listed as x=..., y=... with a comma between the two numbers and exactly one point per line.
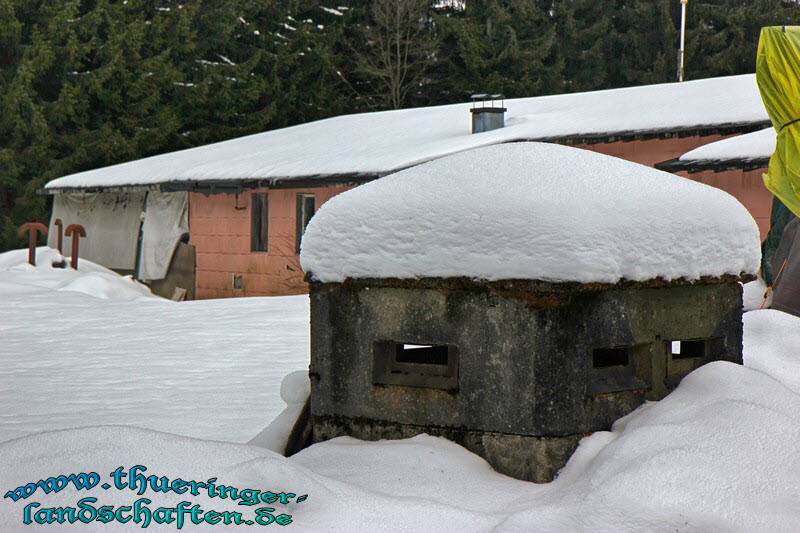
x=583, y=29
x=499, y=47
x=643, y=43
x=722, y=36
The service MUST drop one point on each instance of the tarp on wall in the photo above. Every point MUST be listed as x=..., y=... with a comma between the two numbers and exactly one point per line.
x=778, y=78
x=166, y=220
x=111, y=221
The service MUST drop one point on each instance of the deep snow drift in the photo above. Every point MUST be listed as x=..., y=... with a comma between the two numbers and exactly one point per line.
x=93, y=347
x=531, y=211
x=17, y=276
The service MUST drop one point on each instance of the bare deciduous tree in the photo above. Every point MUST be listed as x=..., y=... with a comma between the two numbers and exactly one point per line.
x=393, y=50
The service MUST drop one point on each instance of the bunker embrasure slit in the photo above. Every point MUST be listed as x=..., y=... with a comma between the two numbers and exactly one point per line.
x=421, y=354
x=610, y=357
x=415, y=365
x=696, y=348
x=614, y=369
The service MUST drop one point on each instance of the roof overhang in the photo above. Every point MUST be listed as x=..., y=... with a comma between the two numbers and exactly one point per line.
x=227, y=186
x=728, y=128
x=238, y=185
x=714, y=165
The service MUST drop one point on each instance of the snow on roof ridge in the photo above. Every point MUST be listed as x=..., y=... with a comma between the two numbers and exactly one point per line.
x=531, y=211
x=386, y=141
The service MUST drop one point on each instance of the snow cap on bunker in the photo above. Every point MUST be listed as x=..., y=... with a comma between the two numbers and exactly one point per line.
x=531, y=211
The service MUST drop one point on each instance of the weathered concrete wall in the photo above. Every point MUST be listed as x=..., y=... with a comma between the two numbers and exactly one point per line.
x=220, y=228
x=521, y=370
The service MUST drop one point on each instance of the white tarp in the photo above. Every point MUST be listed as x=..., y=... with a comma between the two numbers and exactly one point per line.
x=111, y=221
x=166, y=219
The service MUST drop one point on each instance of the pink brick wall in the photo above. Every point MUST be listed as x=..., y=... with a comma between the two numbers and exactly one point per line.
x=221, y=234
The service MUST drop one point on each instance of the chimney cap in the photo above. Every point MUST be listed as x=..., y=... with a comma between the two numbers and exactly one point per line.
x=487, y=102
x=484, y=96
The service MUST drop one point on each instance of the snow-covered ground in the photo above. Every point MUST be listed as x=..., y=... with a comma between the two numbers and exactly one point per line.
x=93, y=348
x=719, y=453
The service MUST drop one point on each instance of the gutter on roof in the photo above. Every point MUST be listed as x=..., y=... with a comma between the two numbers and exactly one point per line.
x=228, y=186
x=86, y=190
x=727, y=128
x=716, y=165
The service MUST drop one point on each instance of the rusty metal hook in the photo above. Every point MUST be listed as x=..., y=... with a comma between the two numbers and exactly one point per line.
x=76, y=231
x=33, y=229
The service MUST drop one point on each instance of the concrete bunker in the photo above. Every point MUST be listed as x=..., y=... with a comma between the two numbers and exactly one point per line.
x=501, y=356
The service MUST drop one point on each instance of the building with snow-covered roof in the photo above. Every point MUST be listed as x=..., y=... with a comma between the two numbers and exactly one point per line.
x=735, y=165
x=237, y=209
x=516, y=318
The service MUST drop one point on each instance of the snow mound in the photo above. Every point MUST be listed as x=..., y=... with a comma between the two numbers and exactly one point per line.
x=772, y=345
x=295, y=390
x=753, y=295
x=68, y=359
x=90, y=278
x=531, y=211
x=719, y=453
x=295, y=387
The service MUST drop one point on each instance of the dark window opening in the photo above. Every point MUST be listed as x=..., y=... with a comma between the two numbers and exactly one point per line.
x=306, y=204
x=685, y=355
x=688, y=349
x=259, y=210
x=421, y=354
x=237, y=281
x=416, y=365
x=609, y=357
x=615, y=369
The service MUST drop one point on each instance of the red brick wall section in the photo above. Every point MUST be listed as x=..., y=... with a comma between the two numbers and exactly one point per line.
x=221, y=234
